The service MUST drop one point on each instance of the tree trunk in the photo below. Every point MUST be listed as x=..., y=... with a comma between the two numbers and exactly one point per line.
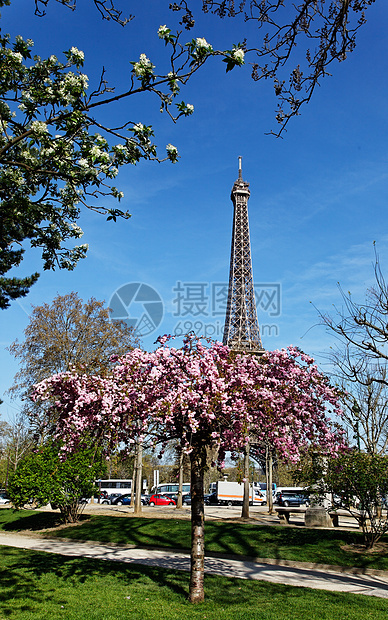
x=180, y=481
x=139, y=473
x=269, y=482
x=198, y=463
x=7, y=473
x=245, y=507
x=133, y=488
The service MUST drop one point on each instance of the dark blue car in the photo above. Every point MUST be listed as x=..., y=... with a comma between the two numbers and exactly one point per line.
x=292, y=499
x=125, y=500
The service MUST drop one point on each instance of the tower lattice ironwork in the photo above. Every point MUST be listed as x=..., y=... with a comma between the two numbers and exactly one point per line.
x=241, y=332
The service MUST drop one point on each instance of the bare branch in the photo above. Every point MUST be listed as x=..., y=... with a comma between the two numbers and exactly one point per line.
x=106, y=8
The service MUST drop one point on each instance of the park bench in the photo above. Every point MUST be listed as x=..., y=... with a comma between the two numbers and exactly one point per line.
x=336, y=514
x=284, y=514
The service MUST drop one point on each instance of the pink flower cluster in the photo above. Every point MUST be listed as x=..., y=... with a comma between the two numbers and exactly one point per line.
x=199, y=395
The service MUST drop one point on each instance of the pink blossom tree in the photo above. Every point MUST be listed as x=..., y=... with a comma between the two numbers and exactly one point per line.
x=202, y=396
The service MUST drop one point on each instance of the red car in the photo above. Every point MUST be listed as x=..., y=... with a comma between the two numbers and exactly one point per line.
x=161, y=500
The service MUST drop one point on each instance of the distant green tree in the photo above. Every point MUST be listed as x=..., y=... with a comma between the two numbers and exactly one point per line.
x=358, y=482
x=68, y=333
x=43, y=478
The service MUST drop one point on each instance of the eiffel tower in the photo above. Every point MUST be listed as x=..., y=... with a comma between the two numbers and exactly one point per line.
x=241, y=332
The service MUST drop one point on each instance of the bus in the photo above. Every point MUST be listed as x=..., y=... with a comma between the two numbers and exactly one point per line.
x=118, y=486
x=171, y=489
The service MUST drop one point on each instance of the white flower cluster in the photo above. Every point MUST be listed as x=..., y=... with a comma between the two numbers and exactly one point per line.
x=199, y=49
x=39, y=128
x=143, y=67
x=100, y=140
x=189, y=108
x=163, y=32
x=16, y=56
x=173, y=82
x=19, y=39
x=76, y=230
x=69, y=195
x=201, y=43
x=29, y=156
x=74, y=256
x=238, y=55
x=76, y=55
x=12, y=176
x=70, y=88
x=172, y=152
x=97, y=153
x=78, y=82
x=138, y=127
x=120, y=153
x=142, y=133
x=110, y=171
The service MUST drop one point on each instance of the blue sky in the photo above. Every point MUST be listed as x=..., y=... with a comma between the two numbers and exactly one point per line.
x=318, y=196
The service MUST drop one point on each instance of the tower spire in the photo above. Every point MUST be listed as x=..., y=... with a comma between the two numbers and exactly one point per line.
x=240, y=168
x=241, y=332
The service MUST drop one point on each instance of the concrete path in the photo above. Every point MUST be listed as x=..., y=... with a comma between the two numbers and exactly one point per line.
x=321, y=579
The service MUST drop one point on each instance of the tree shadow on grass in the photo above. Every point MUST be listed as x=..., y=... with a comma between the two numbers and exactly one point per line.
x=22, y=569
x=292, y=543
x=19, y=520
x=133, y=531
x=22, y=590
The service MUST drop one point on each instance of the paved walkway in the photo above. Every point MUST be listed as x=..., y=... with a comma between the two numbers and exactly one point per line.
x=321, y=579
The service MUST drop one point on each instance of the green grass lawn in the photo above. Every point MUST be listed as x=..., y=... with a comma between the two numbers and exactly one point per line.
x=39, y=586
x=290, y=543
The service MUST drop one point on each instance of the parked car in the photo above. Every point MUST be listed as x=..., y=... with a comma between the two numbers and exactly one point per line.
x=109, y=499
x=161, y=500
x=211, y=499
x=4, y=499
x=125, y=500
x=292, y=499
x=206, y=498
